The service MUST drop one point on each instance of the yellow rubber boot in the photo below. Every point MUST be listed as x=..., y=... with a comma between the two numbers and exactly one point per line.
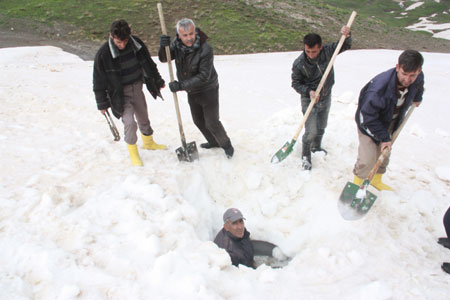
x=150, y=144
x=378, y=184
x=134, y=155
x=357, y=180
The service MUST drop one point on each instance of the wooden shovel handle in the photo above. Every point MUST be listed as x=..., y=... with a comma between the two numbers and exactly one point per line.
x=169, y=62
x=325, y=75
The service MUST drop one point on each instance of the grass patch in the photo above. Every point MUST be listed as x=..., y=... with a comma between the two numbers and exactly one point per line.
x=234, y=26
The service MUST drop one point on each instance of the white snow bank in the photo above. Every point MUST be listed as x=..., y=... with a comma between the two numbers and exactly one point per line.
x=78, y=222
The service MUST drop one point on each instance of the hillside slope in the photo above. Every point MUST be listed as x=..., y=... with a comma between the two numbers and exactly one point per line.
x=249, y=26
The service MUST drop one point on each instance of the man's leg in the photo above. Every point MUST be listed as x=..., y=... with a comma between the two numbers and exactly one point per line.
x=210, y=106
x=310, y=133
x=199, y=120
x=447, y=223
x=143, y=121
x=140, y=109
x=367, y=155
x=129, y=124
x=205, y=111
x=323, y=108
x=445, y=241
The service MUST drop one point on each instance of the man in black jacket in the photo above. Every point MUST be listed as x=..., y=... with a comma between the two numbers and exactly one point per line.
x=198, y=77
x=235, y=238
x=307, y=72
x=121, y=66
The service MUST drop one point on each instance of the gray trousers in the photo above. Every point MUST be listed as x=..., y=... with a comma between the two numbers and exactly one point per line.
x=318, y=118
x=368, y=153
x=135, y=105
x=205, y=114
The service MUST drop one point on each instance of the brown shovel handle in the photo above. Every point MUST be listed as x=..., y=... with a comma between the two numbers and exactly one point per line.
x=386, y=151
x=325, y=75
x=169, y=62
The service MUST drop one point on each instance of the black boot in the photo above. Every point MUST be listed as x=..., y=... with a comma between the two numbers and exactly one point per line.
x=444, y=242
x=446, y=267
x=209, y=145
x=316, y=144
x=229, y=151
x=306, y=156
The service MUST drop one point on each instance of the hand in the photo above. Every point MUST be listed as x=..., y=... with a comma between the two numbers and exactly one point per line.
x=312, y=96
x=345, y=31
x=417, y=104
x=175, y=86
x=387, y=145
x=160, y=83
x=103, y=111
x=164, y=40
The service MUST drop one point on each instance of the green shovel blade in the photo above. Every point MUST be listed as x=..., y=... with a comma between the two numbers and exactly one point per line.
x=283, y=152
x=355, y=202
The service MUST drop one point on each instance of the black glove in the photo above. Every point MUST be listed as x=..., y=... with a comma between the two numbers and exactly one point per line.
x=160, y=83
x=175, y=86
x=164, y=41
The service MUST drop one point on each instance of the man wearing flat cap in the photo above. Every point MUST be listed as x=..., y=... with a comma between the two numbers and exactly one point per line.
x=235, y=238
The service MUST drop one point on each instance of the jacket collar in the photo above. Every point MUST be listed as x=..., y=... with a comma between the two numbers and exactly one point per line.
x=115, y=51
x=392, y=86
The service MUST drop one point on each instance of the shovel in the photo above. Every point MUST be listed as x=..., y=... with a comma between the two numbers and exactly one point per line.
x=187, y=151
x=289, y=146
x=355, y=201
x=112, y=126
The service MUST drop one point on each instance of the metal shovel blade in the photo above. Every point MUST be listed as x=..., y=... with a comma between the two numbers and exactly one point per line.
x=355, y=202
x=188, y=153
x=283, y=152
x=263, y=248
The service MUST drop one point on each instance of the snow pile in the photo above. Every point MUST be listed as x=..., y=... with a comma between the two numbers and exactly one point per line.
x=414, y=6
x=438, y=30
x=78, y=222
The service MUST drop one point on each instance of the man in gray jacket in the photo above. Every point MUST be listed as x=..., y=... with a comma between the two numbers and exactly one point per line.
x=197, y=76
x=235, y=238
x=307, y=72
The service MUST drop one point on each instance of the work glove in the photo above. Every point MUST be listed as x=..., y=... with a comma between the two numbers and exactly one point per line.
x=164, y=40
x=160, y=83
x=175, y=86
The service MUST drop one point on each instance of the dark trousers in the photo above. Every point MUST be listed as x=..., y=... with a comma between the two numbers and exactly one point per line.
x=317, y=120
x=447, y=222
x=205, y=114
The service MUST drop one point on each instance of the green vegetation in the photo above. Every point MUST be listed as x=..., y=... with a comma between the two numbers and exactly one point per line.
x=234, y=26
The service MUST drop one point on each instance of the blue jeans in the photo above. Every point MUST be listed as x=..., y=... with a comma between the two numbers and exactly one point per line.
x=317, y=120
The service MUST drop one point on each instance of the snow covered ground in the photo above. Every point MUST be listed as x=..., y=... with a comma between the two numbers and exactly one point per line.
x=78, y=222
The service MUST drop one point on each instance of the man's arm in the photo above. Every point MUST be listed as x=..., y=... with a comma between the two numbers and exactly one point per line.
x=100, y=84
x=153, y=68
x=162, y=49
x=372, y=105
x=298, y=79
x=420, y=89
x=345, y=46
